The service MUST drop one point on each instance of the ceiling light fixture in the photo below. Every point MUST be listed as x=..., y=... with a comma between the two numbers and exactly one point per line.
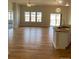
x=28, y=3
x=58, y=10
x=67, y=4
x=59, y=1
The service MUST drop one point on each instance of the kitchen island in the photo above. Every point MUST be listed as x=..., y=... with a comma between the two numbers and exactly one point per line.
x=61, y=38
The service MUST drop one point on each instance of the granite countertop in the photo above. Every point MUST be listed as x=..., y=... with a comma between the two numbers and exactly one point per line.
x=62, y=29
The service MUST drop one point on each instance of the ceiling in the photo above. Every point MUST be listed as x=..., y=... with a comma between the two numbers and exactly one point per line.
x=43, y=2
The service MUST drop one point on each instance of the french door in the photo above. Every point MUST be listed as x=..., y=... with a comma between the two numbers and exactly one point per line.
x=55, y=19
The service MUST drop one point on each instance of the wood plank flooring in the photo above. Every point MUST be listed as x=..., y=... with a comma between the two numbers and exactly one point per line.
x=33, y=43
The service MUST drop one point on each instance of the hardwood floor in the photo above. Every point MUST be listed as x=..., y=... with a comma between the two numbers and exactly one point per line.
x=33, y=43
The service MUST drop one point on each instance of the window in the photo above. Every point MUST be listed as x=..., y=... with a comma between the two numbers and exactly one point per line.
x=55, y=19
x=27, y=16
x=39, y=17
x=33, y=16
x=52, y=19
x=58, y=19
x=10, y=15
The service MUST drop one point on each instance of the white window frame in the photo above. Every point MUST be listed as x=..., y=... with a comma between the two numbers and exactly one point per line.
x=10, y=15
x=27, y=16
x=33, y=16
x=39, y=17
x=55, y=19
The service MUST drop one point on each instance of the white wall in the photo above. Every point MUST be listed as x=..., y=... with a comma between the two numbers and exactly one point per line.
x=10, y=6
x=16, y=16
x=69, y=16
x=46, y=11
x=16, y=12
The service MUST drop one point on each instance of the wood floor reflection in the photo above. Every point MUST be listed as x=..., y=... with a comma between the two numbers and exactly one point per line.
x=33, y=43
